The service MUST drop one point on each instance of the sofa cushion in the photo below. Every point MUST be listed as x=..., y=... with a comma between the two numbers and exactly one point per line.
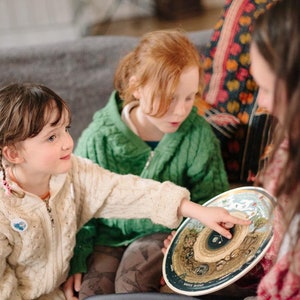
x=230, y=93
x=80, y=71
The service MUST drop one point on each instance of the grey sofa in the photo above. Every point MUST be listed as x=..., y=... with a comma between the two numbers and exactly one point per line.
x=80, y=71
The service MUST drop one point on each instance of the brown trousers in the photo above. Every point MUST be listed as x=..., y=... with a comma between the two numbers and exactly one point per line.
x=136, y=268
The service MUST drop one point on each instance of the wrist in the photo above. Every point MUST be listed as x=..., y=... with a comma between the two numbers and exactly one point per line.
x=189, y=209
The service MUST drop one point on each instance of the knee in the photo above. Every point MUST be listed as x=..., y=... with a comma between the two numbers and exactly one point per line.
x=141, y=268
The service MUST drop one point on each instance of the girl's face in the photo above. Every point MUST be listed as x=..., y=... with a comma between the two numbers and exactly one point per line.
x=266, y=80
x=180, y=107
x=264, y=77
x=48, y=153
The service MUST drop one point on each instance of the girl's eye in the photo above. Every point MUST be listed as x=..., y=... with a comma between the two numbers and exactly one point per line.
x=67, y=129
x=191, y=98
x=51, y=138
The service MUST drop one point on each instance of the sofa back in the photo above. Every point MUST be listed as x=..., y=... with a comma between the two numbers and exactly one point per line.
x=79, y=71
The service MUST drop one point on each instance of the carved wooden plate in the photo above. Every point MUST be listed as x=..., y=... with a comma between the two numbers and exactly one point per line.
x=200, y=261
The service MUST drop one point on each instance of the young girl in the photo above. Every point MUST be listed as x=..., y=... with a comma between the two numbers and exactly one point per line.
x=149, y=128
x=275, y=55
x=48, y=193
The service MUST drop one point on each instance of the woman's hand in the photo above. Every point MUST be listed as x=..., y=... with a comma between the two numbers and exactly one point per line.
x=72, y=286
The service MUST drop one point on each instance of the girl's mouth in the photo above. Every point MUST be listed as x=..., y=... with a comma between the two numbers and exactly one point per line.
x=67, y=157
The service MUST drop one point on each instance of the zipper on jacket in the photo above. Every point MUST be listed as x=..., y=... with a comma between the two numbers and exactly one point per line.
x=49, y=211
x=149, y=160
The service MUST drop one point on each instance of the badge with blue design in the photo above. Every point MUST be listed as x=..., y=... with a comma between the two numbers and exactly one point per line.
x=19, y=224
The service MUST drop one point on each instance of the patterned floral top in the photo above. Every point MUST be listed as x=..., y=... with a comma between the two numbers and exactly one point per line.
x=279, y=281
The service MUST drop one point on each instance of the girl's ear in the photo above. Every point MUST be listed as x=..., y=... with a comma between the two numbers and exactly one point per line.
x=11, y=154
x=136, y=92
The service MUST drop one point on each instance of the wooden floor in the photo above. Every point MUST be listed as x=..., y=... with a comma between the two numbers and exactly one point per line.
x=205, y=19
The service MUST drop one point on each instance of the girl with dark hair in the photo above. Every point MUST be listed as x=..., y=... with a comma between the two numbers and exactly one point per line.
x=47, y=194
x=275, y=55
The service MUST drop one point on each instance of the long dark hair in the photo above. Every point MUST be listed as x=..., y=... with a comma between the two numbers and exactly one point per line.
x=276, y=35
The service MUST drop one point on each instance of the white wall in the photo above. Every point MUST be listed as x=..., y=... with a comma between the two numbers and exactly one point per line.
x=30, y=22
x=95, y=11
x=213, y=3
x=25, y=22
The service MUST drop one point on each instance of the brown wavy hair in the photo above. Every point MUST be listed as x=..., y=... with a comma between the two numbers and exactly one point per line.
x=276, y=35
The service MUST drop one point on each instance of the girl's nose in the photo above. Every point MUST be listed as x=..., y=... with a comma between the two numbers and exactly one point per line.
x=68, y=143
x=179, y=109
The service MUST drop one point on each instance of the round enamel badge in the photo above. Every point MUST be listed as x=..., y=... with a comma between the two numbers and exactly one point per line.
x=18, y=224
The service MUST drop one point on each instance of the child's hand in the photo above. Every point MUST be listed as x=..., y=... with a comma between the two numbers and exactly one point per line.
x=220, y=220
x=216, y=218
x=167, y=241
x=72, y=286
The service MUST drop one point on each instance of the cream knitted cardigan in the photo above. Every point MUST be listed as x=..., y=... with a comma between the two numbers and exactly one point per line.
x=36, y=244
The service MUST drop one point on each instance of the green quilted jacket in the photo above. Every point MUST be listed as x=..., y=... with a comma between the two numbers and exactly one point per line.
x=189, y=157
